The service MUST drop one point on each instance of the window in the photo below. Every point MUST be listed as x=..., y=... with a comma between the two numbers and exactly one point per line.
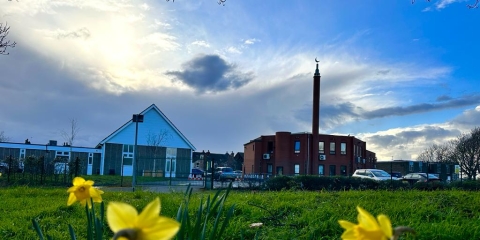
x=332, y=170
x=270, y=147
x=22, y=153
x=343, y=148
x=280, y=170
x=128, y=148
x=343, y=170
x=321, y=147
x=321, y=170
x=297, y=146
x=332, y=147
x=269, y=168
x=63, y=155
x=410, y=166
x=297, y=169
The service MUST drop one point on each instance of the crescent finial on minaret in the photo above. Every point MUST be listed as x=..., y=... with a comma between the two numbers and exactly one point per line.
x=317, y=72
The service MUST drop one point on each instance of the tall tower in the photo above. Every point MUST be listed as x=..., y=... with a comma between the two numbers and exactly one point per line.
x=315, y=120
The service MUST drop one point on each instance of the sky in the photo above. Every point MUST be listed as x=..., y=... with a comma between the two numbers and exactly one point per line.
x=397, y=75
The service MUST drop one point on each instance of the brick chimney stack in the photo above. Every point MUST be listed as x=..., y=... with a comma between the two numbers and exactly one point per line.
x=315, y=119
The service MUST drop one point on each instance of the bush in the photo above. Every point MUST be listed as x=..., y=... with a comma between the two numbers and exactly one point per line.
x=469, y=185
x=334, y=183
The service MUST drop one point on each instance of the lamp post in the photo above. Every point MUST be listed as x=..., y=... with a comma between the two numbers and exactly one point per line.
x=206, y=157
x=136, y=119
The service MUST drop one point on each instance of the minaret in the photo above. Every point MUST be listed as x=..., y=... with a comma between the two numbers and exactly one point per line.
x=315, y=120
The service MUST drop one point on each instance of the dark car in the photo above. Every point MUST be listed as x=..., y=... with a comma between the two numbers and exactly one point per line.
x=420, y=177
x=197, y=172
x=396, y=174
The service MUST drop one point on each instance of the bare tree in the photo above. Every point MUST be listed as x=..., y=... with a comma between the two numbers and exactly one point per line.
x=4, y=43
x=436, y=153
x=156, y=140
x=466, y=153
x=70, y=135
x=3, y=137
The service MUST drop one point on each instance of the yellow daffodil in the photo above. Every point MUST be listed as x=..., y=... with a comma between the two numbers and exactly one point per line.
x=368, y=228
x=82, y=191
x=126, y=223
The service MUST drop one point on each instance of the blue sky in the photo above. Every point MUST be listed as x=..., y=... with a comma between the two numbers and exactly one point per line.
x=397, y=75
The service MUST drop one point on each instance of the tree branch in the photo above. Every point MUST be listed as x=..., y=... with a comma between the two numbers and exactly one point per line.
x=4, y=43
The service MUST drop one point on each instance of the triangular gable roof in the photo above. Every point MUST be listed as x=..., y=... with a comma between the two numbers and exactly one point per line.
x=154, y=107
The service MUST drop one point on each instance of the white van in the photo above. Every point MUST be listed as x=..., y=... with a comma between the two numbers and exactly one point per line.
x=375, y=174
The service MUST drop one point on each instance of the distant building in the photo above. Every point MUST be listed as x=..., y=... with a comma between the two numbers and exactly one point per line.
x=445, y=171
x=307, y=153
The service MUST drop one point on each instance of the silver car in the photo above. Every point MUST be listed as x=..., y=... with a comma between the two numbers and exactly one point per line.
x=375, y=174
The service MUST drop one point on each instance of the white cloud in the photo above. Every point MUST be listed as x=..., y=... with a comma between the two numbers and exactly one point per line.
x=444, y=3
x=145, y=7
x=164, y=25
x=201, y=43
x=161, y=41
x=233, y=50
x=251, y=41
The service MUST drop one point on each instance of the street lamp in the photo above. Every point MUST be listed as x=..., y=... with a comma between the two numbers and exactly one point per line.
x=136, y=119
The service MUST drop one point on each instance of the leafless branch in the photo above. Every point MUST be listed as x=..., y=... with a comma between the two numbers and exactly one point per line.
x=3, y=137
x=69, y=136
x=475, y=5
x=4, y=43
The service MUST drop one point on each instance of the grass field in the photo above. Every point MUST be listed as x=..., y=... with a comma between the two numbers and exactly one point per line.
x=285, y=215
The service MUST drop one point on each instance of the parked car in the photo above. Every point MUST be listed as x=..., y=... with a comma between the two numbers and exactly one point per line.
x=396, y=174
x=420, y=177
x=375, y=174
x=198, y=172
x=224, y=173
x=238, y=172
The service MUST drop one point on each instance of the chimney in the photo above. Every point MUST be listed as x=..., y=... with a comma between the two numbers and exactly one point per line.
x=315, y=118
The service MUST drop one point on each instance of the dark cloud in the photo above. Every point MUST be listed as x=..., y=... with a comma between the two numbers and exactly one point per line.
x=443, y=98
x=210, y=73
x=383, y=72
x=421, y=108
x=429, y=134
x=469, y=119
x=330, y=115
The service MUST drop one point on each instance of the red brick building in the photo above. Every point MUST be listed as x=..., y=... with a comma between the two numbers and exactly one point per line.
x=307, y=153
x=290, y=154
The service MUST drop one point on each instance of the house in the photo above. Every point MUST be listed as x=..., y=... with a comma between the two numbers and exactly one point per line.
x=163, y=150
x=307, y=153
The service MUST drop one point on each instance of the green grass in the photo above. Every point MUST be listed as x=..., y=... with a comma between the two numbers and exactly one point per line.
x=286, y=215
